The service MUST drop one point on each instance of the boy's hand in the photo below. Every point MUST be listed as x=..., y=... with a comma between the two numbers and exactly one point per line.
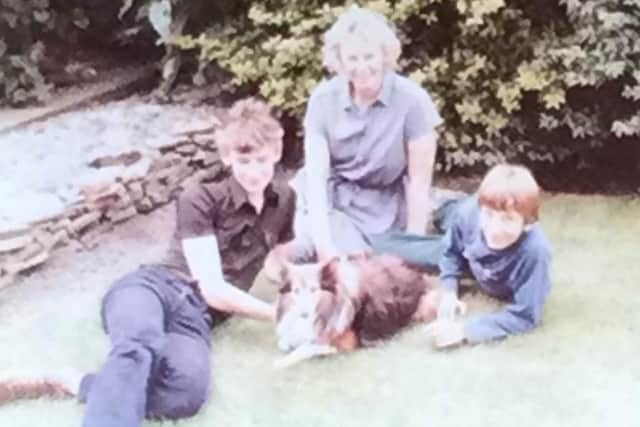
x=275, y=264
x=450, y=306
x=446, y=333
x=446, y=330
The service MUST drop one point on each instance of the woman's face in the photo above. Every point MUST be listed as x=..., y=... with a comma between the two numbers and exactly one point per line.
x=363, y=65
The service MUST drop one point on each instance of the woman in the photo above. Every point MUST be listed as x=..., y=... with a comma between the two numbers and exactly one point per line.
x=370, y=145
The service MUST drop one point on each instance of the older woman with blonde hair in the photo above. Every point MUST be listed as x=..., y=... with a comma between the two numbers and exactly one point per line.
x=370, y=145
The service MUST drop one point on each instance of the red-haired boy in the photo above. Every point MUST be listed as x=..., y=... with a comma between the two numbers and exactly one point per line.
x=495, y=236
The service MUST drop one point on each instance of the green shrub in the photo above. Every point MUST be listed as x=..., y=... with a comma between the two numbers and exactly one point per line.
x=551, y=82
x=27, y=25
x=20, y=79
x=530, y=81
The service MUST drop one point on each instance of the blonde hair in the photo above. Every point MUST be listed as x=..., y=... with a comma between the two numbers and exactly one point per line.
x=369, y=26
x=511, y=187
x=249, y=126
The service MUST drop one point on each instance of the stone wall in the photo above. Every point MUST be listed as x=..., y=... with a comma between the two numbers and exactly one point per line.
x=95, y=169
x=134, y=182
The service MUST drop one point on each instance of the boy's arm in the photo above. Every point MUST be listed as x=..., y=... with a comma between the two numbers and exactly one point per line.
x=219, y=294
x=452, y=263
x=533, y=283
x=451, y=266
x=195, y=216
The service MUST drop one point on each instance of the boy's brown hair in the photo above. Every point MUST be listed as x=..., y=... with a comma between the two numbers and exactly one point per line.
x=511, y=187
x=249, y=126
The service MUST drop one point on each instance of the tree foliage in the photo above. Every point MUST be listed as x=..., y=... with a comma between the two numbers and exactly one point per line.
x=541, y=82
x=533, y=81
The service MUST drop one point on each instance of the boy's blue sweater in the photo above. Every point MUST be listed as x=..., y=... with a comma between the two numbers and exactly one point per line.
x=518, y=273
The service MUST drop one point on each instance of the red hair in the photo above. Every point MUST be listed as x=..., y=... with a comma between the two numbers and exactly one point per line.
x=511, y=187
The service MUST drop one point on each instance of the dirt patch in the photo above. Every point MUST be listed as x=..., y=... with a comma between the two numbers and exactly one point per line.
x=73, y=273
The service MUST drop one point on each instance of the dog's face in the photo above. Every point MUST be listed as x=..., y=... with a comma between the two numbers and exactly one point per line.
x=307, y=303
x=317, y=303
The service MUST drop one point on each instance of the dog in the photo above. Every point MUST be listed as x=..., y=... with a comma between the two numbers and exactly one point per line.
x=354, y=301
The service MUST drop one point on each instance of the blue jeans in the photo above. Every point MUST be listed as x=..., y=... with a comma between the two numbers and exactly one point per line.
x=420, y=251
x=159, y=363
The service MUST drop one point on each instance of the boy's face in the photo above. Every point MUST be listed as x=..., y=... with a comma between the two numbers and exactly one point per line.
x=253, y=170
x=501, y=228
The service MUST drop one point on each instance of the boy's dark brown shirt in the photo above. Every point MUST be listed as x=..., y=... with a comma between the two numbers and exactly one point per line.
x=244, y=236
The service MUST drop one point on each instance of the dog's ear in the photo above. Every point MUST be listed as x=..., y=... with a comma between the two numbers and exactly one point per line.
x=328, y=275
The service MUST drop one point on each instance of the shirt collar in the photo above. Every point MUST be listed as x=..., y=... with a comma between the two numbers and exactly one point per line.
x=239, y=195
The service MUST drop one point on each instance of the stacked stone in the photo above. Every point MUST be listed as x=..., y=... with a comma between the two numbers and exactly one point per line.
x=133, y=182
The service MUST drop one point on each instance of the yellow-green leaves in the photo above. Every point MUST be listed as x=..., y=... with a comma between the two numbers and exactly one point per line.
x=476, y=10
x=532, y=78
x=510, y=95
x=512, y=80
x=554, y=98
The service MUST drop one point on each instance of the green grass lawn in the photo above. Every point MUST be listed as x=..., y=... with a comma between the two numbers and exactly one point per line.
x=579, y=369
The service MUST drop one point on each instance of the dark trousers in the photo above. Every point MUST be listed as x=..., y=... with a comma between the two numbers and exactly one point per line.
x=420, y=251
x=159, y=363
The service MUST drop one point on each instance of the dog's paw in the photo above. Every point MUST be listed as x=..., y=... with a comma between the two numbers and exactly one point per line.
x=282, y=363
x=304, y=352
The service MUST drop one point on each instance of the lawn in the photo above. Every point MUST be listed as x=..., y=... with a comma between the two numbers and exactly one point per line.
x=579, y=369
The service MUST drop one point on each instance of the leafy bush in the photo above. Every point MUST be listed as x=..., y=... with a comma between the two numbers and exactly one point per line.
x=28, y=27
x=551, y=82
x=26, y=24
x=20, y=79
x=541, y=82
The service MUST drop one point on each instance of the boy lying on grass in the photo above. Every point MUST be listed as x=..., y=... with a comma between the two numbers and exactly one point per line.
x=495, y=236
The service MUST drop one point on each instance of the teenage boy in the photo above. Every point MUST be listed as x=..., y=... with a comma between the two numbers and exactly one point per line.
x=159, y=317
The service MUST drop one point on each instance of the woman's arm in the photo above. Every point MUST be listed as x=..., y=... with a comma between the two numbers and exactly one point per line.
x=422, y=154
x=422, y=142
x=317, y=167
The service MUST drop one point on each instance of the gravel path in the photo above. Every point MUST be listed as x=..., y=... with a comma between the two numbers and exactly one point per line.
x=44, y=165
